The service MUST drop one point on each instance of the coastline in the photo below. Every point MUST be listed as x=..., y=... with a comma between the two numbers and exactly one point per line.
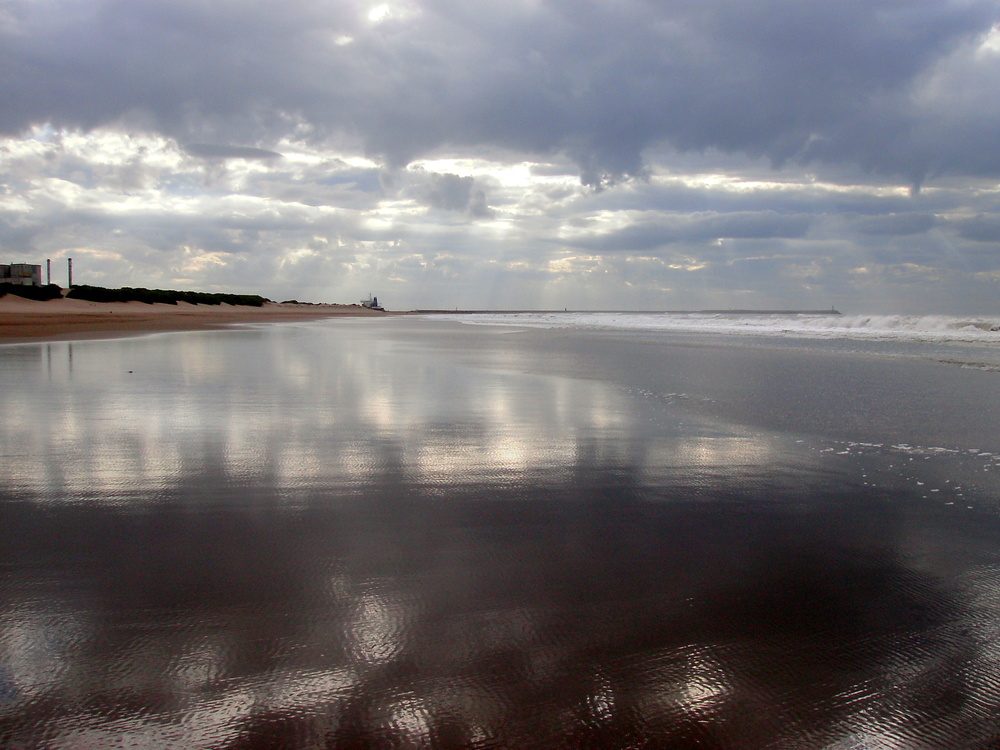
x=23, y=320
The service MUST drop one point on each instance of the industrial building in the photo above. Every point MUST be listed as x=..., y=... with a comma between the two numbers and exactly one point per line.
x=22, y=274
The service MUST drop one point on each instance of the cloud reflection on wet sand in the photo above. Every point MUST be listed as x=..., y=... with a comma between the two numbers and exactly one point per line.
x=477, y=616
x=260, y=543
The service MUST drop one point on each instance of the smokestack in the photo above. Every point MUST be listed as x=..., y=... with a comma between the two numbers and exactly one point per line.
x=48, y=270
x=69, y=264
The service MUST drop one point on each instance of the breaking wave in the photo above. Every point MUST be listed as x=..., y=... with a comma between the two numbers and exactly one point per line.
x=931, y=328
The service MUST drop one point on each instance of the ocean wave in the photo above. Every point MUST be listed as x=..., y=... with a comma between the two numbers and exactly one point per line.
x=935, y=328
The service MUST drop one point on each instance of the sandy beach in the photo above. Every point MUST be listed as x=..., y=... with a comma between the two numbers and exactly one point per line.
x=27, y=320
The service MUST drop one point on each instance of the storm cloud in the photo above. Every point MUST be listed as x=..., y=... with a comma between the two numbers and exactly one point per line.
x=388, y=141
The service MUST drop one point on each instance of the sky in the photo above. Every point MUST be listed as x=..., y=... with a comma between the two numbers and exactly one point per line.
x=529, y=154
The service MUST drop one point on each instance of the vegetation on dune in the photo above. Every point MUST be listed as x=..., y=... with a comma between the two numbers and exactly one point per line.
x=139, y=294
x=41, y=293
x=164, y=296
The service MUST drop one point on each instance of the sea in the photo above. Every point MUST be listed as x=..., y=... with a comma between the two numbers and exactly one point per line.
x=532, y=530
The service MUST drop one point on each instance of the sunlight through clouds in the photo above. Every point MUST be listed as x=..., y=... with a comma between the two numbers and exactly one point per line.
x=400, y=132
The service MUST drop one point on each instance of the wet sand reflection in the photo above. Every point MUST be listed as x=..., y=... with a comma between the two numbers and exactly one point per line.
x=476, y=620
x=363, y=545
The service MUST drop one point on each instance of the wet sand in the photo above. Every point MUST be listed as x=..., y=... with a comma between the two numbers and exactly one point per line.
x=23, y=320
x=411, y=533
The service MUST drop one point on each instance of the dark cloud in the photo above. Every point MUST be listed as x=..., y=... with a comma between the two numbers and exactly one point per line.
x=897, y=224
x=892, y=86
x=477, y=205
x=216, y=151
x=449, y=192
x=982, y=228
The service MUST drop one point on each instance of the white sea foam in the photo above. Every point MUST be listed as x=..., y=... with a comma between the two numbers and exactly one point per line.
x=929, y=328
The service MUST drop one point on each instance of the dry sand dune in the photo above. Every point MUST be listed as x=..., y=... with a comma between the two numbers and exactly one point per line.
x=25, y=320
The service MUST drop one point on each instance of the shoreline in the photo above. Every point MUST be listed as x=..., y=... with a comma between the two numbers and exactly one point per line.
x=748, y=311
x=27, y=321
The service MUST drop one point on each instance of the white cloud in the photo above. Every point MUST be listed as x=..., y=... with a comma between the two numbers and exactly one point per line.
x=445, y=154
